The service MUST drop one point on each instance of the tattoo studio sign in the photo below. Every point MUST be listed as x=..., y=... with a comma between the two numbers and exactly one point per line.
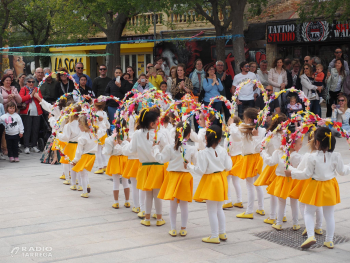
x=317, y=31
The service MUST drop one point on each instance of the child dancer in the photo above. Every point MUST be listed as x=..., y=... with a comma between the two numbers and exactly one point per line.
x=269, y=172
x=235, y=151
x=150, y=176
x=251, y=163
x=85, y=155
x=70, y=135
x=282, y=186
x=199, y=139
x=178, y=183
x=323, y=190
x=212, y=162
x=116, y=163
x=103, y=125
x=13, y=130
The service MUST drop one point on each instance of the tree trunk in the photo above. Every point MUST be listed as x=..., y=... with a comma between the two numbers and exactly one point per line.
x=237, y=8
x=220, y=49
x=1, y=56
x=37, y=58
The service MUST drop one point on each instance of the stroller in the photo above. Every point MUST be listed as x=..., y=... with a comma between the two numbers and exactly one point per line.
x=44, y=132
x=287, y=110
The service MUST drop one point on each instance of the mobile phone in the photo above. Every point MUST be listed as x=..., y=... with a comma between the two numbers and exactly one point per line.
x=143, y=80
x=337, y=106
x=118, y=79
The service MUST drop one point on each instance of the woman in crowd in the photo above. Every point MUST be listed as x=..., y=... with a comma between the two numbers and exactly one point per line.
x=341, y=113
x=130, y=70
x=335, y=79
x=84, y=90
x=64, y=84
x=8, y=92
x=307, y=81
x=31, y=114
x=295, y=71
x=278, y=77
x=181, y=84
x=171, y=77
x=197, y=77
x=20, y=79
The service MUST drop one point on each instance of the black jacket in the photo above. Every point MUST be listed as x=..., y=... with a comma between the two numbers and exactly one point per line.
x=87, y=91
x=289, y=79
x=60, y=92
x=114, y=90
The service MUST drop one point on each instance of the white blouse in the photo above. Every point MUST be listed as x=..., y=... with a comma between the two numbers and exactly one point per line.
x=274, y=144
x=86, y=144
x=56, y=113
x=276, y=158
x=199, y=139
x=71, y=132
x=176, y=162
x=235, y=147
x=248, y=146
x=211, y=160
x=322, y=167
x=102, y=125
x=143, y=146
x=111, y=149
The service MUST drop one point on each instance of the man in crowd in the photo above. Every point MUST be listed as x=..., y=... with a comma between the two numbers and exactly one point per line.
x=226, y=81
x=100, y=83
x=308, y=61
x=338, y=55
x=263, y=73
x=39, y=75
x=152, y=76
x=274, y=105
x=79, y=69
x=287, y=63
x=14, y=82
x=48, y=87
x=246, y=94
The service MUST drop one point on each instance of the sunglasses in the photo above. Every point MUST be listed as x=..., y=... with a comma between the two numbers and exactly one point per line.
x=306, y=68
x=29, y=81
x=338, y=52
x=306, y=61
x=103, y=69
x=80, y=68
x=268, y=90
x=341, y=100
x=247, y=66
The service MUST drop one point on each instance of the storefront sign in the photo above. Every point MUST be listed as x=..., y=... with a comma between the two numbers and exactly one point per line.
x=317, y=31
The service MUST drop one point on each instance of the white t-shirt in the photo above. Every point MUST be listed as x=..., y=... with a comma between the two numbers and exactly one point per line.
x=247, y=92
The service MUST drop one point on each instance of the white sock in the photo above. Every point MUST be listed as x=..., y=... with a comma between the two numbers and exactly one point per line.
x=309, y=219
x=142, y=195
x=273, y=206
x=281, y=207
x=328, y=213
x=295, y=211
x=216, y=217
x=135, y=192
x=157, y=202
x=319, y=217
x=84, y=176
x=173, y=213
x=229, y=189
x=238, y=189
x=184, y=213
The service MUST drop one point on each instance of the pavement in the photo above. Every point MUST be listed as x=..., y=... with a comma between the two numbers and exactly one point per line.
x=42, y=220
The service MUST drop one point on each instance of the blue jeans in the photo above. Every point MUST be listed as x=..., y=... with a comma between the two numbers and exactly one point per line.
x=216, y=106
x=245, y=104
x=315, y=107
x=111, y=112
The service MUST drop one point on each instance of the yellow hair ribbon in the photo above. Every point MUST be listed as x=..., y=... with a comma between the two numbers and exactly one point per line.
x=275, y=117
x=144, y=113
x=329, y=135
x=211, y=131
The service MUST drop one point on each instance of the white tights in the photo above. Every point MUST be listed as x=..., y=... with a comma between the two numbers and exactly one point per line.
x=173, y=213
x=116, y=182
x=282, y=208
x=84, y=180
x=150, y=195
x=135, y=192
x=328, y=213
x=66, y=168
x=73, y=174
x=251, y=195
x=216, y=218
x=319, y=215
x=101, y=159
x=237, y=186
x=142, y=195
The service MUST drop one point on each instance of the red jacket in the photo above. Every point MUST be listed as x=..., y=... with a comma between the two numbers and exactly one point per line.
x=24, y=93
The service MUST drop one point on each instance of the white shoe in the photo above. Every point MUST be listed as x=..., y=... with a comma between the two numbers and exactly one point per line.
x=321, y=100
x=36, y=150
x=26, y=150
x=2, y=157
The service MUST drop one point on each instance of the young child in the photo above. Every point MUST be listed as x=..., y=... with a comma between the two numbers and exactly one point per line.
x=178, y=183
x=269, y=172
x=293, y=106
x=251, y=164
x=70, y=135
x=13, y=130
x=212, y=163
x=150, y=176
x=199, y=139
x=235, y=151
x=85, y=154
x=319, y=77
x=323, y=190
x=115, y=168
x=281, y=185
x=103, y=125
x=163, y=87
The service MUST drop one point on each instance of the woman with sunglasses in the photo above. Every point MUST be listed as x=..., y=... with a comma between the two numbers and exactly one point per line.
x=341, y=113
x=31, y=114
x=307, y=84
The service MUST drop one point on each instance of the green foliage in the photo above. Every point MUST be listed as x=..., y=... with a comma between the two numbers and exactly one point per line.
x=326, y=9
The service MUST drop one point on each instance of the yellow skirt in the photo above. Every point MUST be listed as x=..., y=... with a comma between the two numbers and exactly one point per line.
x=116, y=164
x=102, y=139
x=131, y=168
x=177, y=185
x=235, y=165
x=267, y=176
x=321, y=193
x=57, y=143
x=298, y=188
x=281, y=186
x=86, y=162
x=249, y=166
x=212, y=187
x=150, y=177
x=69, y=151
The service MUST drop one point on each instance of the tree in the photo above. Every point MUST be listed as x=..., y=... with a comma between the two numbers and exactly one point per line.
x=5, y=11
